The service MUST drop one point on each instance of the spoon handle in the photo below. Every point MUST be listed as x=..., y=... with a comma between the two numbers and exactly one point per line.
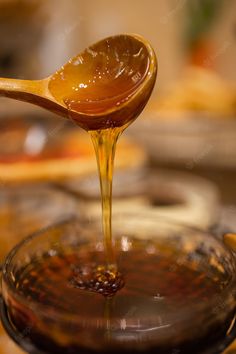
x=20, y=89
x=32, y=91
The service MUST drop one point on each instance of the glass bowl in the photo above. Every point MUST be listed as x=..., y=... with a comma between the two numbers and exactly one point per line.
x=178, y=294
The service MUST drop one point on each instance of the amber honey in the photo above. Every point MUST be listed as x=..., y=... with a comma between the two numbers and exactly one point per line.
x=155, y=290
x=100, y=80
x=102, y=89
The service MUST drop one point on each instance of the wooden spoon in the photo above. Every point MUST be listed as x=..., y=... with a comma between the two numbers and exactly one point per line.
x=107, y=85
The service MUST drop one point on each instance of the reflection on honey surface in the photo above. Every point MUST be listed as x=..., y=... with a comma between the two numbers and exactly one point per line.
x=102, y=77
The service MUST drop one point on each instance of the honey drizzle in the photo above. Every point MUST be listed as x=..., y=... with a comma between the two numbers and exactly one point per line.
x=94, y=86
x=104, y=142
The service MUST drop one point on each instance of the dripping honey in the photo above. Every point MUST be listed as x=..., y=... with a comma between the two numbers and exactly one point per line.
x=94, y=83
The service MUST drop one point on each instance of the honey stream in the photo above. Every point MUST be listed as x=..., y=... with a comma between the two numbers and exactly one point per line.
x=104, y=142
x=99, y=82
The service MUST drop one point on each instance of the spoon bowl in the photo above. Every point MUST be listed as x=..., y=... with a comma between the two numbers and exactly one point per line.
x=107, y=85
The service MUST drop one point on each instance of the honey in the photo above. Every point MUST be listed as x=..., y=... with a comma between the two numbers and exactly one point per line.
x=96, y=83
x=104, y=142
x=102, y=79
x=146, y=315
x=104, y=89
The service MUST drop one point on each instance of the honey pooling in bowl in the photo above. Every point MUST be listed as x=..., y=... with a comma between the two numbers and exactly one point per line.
x=100, y=279
x=162, y=297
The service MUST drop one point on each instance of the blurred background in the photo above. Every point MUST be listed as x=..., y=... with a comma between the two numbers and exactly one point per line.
x=178, y=159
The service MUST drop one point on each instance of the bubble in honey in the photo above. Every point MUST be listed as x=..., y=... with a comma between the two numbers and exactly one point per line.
x=100, y=279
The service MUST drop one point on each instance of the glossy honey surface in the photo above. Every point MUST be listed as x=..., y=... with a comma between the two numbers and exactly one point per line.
x=102, y=79
x=102, y=76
